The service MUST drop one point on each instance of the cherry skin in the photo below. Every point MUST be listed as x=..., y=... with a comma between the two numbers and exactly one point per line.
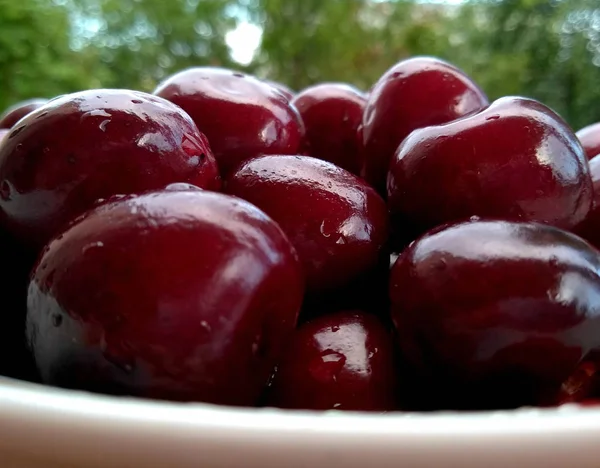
x=15, y=113
x=119, y=142
x=3, y=133
x=332, y=113
x=342, y=361
x=337, y=223
x=242, y=116
x=590, y=139
x=182, y=187
x=284, y=89
x=517, y=160
x=171, y=295
x=414, y=93
x=495, y=314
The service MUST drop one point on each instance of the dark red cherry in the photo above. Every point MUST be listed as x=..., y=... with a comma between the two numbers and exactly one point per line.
x=589, y=228
x=583, y=384
x=332, y=113
x=337, y=223
x=495, y=314
x=3, y=133
x=414, y=93
x=516, y=160
x=283, y=89
x=86, y=146
x=590, y=139
x=169, y=295
x=16, y=112
x=342, y=361
x=242, y=116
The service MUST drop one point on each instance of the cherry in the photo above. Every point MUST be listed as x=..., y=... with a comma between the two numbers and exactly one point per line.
x=180, y=295
x=578, y=388
x=414, y=93
x=593, y=402
x=342, y=361
x=495, y=314
x=284, y=89
x=242, y=116
x=119, y=142
x=337, y=223
x=589, y=227
x=517, y=160
x=332, y=113
x=590, y=139
x=3, y=133
x=15, y=113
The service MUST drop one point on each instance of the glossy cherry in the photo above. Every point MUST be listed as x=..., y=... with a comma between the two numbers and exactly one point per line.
x=3, y=133
x=242, y=116
x=332, y=113
x=590, y=139
x=495, y=314
x=16, y=112
x=516, y=160
x=119, y=142
x=414, y=93
x=342, y=361
x=337, y=223
x=170, y=295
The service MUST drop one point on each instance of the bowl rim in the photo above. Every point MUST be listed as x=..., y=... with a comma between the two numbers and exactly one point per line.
x=74, y=406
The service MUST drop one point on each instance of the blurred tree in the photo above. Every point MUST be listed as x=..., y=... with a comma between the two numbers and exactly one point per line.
x=35, y=55
x=354, y=41
x=547, y=49
x=142, y=42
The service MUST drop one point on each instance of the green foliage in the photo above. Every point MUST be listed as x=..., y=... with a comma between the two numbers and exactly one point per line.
x=547, y=49
x=142, y=42
x=35, y=55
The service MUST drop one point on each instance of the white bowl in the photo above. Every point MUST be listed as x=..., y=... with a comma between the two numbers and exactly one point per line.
x=43, y=427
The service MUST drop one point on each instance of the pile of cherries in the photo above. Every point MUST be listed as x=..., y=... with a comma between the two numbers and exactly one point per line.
x=226, y=240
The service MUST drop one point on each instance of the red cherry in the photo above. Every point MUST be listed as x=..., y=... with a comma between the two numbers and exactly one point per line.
x=337, y=223
x=414, y=93
x=15, y=113
x=516, y=160
x=119, y=142
x=332, y=113
x=242, y=116
x=3, y=133
x=342, y=361
x=590, y=139
x=495, y=314
x=169, y=295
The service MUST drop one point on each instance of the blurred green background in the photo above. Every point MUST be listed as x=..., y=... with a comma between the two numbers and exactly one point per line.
x=549, y=50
